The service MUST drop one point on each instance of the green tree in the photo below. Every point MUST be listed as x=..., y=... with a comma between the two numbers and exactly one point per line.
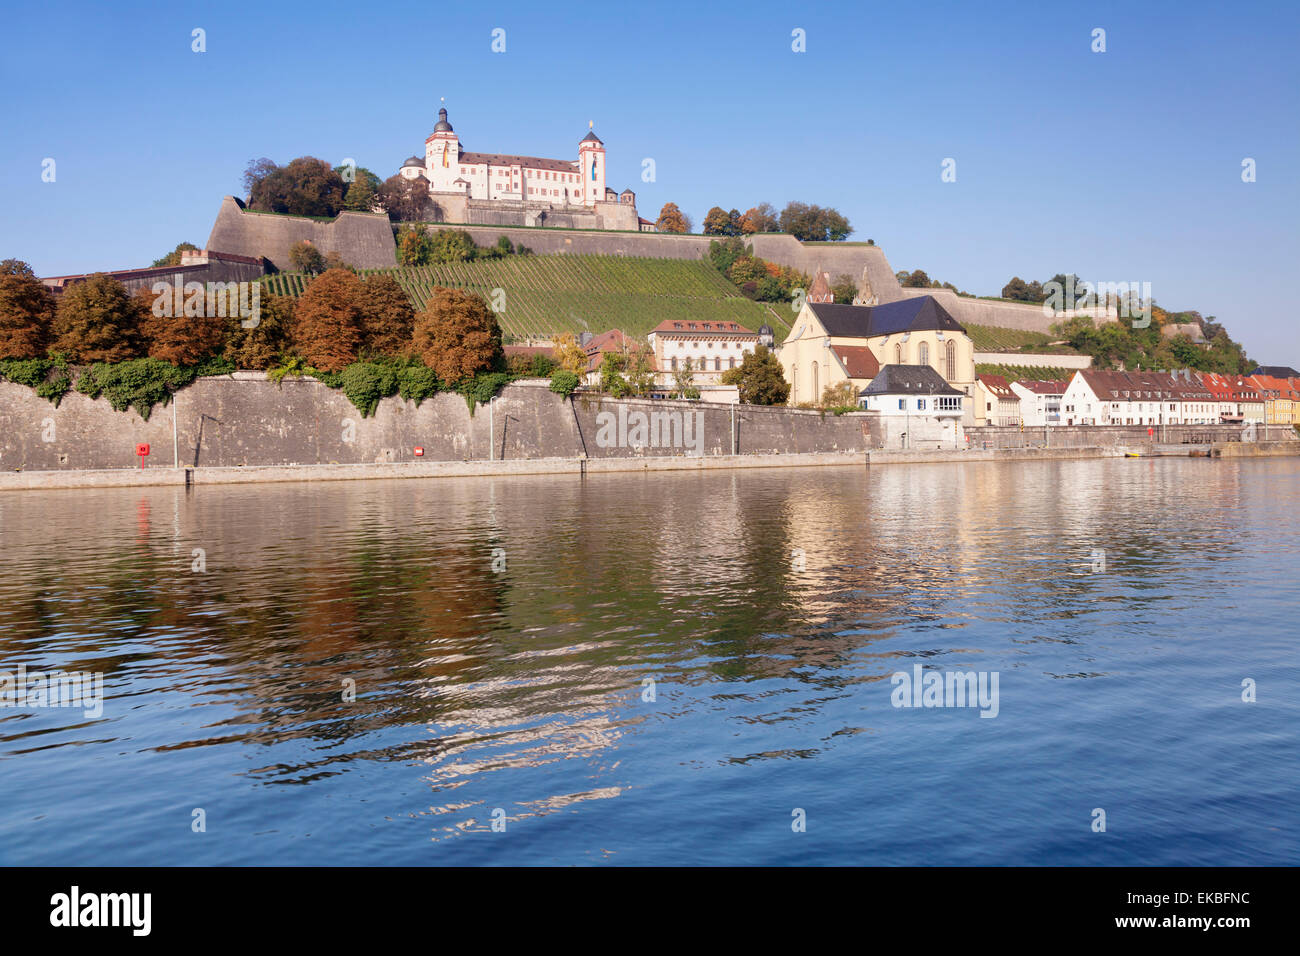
x=452, y=245
x=844, y=289
x=173, y=258
x=98, y=321
x=361, y=187
x=684, y=380
x=917, y=279
x=813, y=223
x=611, y=375
x=259, y=346
x=760, y=378
x=305, y=187
x=305, y=257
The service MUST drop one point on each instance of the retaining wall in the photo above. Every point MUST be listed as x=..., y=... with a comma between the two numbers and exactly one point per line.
x=247, y=420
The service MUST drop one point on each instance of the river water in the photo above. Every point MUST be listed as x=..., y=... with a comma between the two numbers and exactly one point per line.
x=662, y=669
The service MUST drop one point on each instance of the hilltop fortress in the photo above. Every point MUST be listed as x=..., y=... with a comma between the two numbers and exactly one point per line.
x=509, y=190
x=565, y=206
x=366, y=241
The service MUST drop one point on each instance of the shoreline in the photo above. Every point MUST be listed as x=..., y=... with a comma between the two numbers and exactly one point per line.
x=254, y=474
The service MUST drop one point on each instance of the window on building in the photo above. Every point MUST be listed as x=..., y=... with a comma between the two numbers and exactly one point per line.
x=674, y=363
x=950, y=360
x=816, y=391
x=902, y=404
x=898, y=355
x=731, y=363
x=920, y=404
x=717, y=363
x=923, y=354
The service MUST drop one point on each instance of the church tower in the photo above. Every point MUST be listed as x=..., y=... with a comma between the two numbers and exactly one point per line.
x=442, y=154
x=591, y=168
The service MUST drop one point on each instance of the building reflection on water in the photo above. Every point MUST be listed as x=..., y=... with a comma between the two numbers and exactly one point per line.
x=495, y=625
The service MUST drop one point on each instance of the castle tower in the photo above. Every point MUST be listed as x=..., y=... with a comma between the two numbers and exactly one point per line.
x=591, y=166
x=442, y=155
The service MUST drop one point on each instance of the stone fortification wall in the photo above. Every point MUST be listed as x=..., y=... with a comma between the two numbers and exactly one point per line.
x=363, y=239
x=246, y=419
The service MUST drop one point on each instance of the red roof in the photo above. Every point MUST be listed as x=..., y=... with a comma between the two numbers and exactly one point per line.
x=858, y=360
x=1039, y=387
x=997, y=384
x=688, y=327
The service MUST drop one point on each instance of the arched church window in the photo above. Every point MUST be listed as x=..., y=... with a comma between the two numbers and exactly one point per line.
x=898, y=354
x=950, y=361
x=923, y=354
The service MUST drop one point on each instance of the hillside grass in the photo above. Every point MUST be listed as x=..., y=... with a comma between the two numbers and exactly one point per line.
x=1032, y=373
x=545, y=295
x=991, y=338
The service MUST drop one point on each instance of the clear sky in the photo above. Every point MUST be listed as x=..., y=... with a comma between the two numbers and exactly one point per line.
x=1122, y=165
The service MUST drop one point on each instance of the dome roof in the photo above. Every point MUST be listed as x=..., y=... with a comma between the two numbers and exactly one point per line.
x=765, y=329
x=414, y=161
x=443, y=126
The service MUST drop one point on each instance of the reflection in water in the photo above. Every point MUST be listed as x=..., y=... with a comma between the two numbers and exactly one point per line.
x=697, y=652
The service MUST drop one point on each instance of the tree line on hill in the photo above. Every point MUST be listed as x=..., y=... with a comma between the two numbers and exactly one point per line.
x=754, y=276
x=308, y=186
x=805, y=222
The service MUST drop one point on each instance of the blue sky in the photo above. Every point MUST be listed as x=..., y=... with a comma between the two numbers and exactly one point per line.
x=1123, y=165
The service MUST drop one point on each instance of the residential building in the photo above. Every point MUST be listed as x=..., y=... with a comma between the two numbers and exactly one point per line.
x=993, y=402
x=1040, y=402
x=712, y=348
x=918, y=409
x=1106, y=397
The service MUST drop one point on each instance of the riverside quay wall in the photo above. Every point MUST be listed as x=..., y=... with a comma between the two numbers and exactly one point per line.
x=247, y=420
x=1109, y=436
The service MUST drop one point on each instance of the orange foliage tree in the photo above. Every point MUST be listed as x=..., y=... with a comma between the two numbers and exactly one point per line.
x=387, y=318
x=98, y=321
x=457, y=335
x=327, y=321
x=173, y=336
x=26, y=312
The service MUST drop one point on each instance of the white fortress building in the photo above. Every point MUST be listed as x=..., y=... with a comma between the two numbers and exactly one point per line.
x=508, y=190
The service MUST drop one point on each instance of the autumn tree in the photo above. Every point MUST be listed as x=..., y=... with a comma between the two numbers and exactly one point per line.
x=305, y=257
x=259, y=345
x=671, y=219
x=327, y=324
x=569, y=354
x=173, y=258
x=180, y=335
x=717, y=222
x=305, y=187
x=406, y=200
x=98, y=321
x=387, y=319
x=760, y=378
x=760, y=218
x=26, y=312
x=414, y=246
x=457, y=335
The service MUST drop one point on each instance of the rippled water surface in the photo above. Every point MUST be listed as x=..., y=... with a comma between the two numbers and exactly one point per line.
x=661, y=669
